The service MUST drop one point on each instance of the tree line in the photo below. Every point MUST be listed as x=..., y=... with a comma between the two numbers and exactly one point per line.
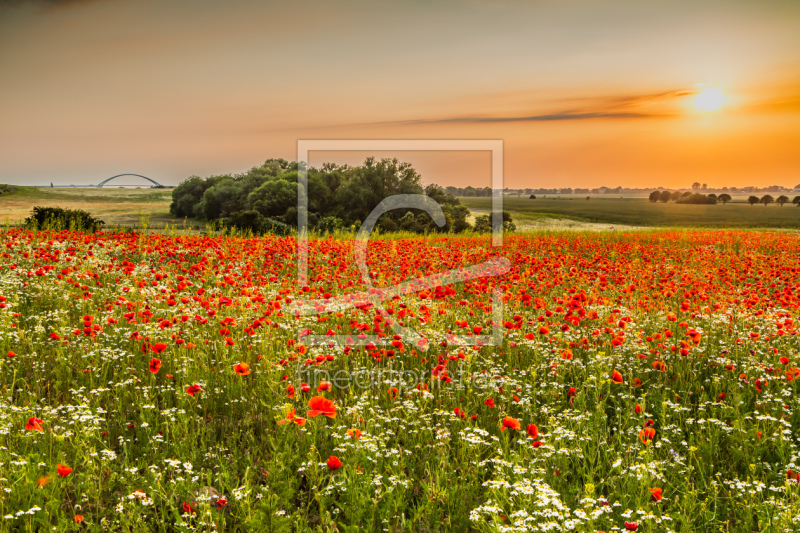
x=265, y=198
x=698, y=198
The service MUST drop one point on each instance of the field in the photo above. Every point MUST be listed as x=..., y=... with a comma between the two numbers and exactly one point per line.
x=117, y=207
x=531, y=214
x=640, y=381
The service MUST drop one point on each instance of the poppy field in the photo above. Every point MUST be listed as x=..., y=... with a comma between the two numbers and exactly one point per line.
x=644, y=382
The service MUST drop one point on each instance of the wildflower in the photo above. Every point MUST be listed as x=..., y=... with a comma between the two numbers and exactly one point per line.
x=63, y=470
x=34, y=424
x=321, y=406
x=646, y=435
x=510, y=423
x=354, y=433
x=334, y=463
x=290, y=417
x=11, y=354
x=324, y=386
x=631, y=526
x=638, y=409
x=243, y=369
x=188, y=508
x=159, y=347
x=78, y=518
x=655, y=494
x=533, y=430
x=489, y=402
x=616, y=377
x=155, y=365
x=191, y=390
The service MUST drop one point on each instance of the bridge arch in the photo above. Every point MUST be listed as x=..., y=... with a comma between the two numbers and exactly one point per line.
x=154, y=182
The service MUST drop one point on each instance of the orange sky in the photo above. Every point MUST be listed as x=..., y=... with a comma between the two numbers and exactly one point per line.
x=583, y=93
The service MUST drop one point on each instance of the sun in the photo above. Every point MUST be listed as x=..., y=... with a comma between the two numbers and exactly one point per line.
x=709, y=100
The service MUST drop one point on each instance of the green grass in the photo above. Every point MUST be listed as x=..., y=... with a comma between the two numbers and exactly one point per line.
x=116, y=206
x=641, y=212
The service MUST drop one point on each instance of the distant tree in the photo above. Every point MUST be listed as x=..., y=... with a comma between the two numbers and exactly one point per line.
x=782, y=200
x=696, y=198
x=796, y=201
x=666, y=196
x=753, y=200
x=714, y=196
x=686, y=194
x=675, y=196
x=588, y=197
x=696, y=185
x=704, y=186
x=724, y=198
x=532, y=197
x=766, y=200
x=655, y=196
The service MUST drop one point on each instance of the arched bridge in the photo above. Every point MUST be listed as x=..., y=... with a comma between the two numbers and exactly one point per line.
x=154, y=182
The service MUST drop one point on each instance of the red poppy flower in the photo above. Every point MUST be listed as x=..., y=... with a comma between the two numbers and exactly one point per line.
x=638, y=409
x=63, y=470
x=188, y=508
x=533, y=431
x=191, y=390
x=631, y=526
x=489, y=402
x=321, y=406
x=616, y=377
x=655, y=494
x=159, y=347
x=646, y=435
x=243, y=369
x=78, y=518
x=155, y=365
x=34, y=424
x=354, y=433
x=11, y=354
x=334, y=463
x=510, y=423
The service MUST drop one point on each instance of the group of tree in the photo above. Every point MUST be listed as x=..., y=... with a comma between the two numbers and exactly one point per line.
x=688, y=197
x=58, y=218
x=697, y=198
x=265, y=198
x=767, y=199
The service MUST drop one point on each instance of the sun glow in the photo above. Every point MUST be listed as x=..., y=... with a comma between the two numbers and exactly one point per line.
x=710, y=99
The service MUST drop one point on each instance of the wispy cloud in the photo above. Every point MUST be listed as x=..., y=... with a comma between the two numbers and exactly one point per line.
x=653, y=105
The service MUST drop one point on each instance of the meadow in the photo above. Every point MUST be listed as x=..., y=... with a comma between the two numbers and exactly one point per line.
x=641, y=212
x=118, y=207
x=642, y=381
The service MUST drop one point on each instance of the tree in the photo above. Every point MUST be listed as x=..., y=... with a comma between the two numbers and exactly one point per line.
x=766, y=200
x=796, y=201
x=782, y=200
x=696, y=185
x=666, y=196
x=753, y=200
x=675, y=195
x=724, y=198
x=655, y=196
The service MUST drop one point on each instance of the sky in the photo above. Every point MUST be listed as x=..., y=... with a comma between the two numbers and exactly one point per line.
x=583, y=93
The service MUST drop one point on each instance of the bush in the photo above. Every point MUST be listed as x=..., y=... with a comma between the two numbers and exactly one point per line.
x=59, y=218
x=696, y=199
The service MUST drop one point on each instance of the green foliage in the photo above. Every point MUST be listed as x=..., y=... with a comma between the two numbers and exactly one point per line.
x=696, y=198
x=338, y=197
x=59, y=218
x=724, y=198
x=483, y=223
x=5, y=189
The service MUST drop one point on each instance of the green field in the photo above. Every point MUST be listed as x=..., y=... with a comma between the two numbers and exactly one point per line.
x=116, y=206
x=641, y=212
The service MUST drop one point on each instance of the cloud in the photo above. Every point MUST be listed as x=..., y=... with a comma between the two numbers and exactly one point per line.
x=622, y=107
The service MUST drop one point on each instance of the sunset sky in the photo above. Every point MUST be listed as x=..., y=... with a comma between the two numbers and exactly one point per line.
x=583, y=93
